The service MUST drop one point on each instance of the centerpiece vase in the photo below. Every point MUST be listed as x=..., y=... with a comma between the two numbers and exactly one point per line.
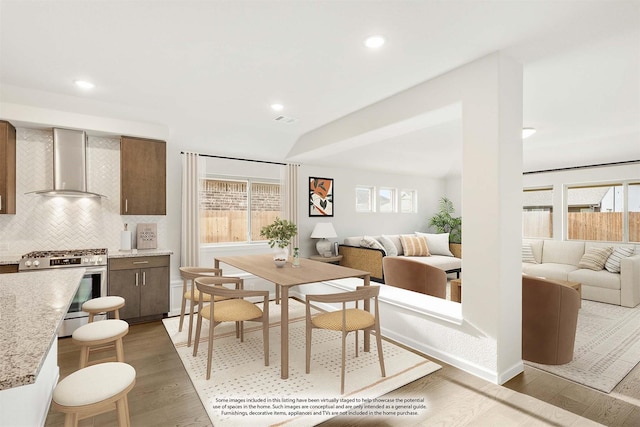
x=280, y=256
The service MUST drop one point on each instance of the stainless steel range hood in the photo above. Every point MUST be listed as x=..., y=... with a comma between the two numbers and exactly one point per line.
x=69, y=165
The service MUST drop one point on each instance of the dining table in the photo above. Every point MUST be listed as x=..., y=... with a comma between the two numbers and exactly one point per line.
x=309, y=271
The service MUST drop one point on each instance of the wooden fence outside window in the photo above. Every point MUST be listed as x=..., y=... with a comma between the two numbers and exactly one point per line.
x=602, y=226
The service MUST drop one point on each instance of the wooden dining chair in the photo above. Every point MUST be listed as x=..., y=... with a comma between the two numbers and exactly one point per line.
x=190, y=293
x=345, y=320
x=229, y=305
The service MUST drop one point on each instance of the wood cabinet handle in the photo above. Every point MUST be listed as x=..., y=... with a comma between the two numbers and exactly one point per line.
x=0, y=202
x=136, y=279
x=126, y=205
x=140, y=262
x=144, y=278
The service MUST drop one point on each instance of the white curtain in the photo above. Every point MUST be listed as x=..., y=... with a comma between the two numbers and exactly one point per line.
x=190, y=242
x=290, y=197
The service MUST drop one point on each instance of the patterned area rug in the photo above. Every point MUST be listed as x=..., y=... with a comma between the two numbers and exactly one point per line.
x=242, y=391
x=607, y=346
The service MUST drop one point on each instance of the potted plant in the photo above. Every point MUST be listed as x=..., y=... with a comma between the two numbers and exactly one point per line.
x=445, y=222
x=279, y=233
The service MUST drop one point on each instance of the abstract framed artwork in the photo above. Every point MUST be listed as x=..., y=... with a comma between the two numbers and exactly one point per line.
x=320, y=196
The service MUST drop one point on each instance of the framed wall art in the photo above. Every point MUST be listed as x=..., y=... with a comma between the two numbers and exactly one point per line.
x=320, y=196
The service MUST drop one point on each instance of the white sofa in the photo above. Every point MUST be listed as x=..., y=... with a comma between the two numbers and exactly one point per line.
x=556, y=259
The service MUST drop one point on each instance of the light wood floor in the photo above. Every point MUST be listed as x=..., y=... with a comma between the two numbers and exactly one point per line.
x=164, y=396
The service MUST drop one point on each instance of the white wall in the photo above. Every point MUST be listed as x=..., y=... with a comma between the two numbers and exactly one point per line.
x=347, y=221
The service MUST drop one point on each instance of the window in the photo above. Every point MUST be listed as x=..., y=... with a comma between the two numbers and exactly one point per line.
x=537, y=213
x=595, y=213
x=365, y=199
x=408, y=201
x=225, y=205
x=634, y=211
x=387, y=199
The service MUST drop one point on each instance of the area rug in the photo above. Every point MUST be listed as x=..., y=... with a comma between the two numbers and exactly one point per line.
x=607, y=346
x=242, y=391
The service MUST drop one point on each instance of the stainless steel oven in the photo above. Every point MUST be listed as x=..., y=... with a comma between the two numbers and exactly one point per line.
x=92, y=285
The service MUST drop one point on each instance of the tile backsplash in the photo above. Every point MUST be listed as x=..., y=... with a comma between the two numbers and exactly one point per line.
x=47, y=223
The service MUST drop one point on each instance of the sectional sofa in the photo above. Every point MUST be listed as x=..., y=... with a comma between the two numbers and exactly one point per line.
x=614, y=281
x=367, y=252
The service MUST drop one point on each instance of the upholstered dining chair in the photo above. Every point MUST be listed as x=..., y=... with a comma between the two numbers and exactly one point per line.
x=345, y=320
x=229, y=305
x=190, y=293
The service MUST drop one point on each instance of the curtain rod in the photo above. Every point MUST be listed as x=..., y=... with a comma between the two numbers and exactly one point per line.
x=241, y=159
x=600, y=165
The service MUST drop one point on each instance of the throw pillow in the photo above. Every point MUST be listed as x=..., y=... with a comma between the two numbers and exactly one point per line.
x=395, y=238
x=527, y=254
x=389, y=246
x=413, y=245
x=370, y=242
x=595, y=258
x=438, y=243
x=613, y=262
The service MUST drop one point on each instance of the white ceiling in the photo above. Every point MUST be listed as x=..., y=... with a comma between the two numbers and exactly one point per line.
x=210, y=69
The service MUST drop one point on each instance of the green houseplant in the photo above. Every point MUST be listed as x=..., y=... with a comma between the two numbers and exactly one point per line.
x=279, y=233
x=445, y=222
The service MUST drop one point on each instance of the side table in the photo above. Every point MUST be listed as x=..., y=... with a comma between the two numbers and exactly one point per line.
x=332, y=259
x=456, y=290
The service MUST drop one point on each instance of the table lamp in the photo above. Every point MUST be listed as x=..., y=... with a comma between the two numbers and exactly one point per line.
x=322, y=231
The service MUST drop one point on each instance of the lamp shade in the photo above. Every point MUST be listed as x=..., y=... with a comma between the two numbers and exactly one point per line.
x=323, y=230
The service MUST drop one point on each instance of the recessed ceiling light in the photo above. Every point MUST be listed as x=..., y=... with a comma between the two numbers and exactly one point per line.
x=84, y=84
x=374, y=42
x=277, y=107
x=527, y=132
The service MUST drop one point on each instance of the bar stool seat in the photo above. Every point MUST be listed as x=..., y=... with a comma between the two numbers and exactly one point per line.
x=97, y=334
x=103, y=305
x=94, y=390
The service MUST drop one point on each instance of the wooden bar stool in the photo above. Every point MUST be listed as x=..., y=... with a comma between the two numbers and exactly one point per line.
x=103, y=305
x=100, y=336
x=94, y=390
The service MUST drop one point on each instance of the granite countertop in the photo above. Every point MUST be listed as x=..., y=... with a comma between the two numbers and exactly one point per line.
x=15, y=259
x=139, y=252
x=32, y=306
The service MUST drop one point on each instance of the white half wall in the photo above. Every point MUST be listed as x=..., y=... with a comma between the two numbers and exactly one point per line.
x=489, y=91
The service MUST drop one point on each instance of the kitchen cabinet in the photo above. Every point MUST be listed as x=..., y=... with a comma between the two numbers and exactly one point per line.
x=7, y=168
x=143, y=175
x=144, y=284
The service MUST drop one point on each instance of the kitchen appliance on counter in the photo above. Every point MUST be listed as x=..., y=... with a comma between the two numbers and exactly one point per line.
x=93, y=284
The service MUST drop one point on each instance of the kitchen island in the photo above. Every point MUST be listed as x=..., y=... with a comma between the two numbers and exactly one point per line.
x=32, y=307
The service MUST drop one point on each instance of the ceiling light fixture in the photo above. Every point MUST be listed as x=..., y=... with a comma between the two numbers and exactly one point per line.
x=527, y=132
x=84, y=84
x=277, y=107
x=374, y=42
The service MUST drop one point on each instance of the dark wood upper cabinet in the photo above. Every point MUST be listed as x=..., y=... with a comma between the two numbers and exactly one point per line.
x=143, y=174
x=7, y=168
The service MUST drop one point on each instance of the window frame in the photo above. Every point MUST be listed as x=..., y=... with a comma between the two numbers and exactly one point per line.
x=249, y=182
x=372, y=198
x=551, y=211
x=393, y=199
x=605, y=184
x=414, y=200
